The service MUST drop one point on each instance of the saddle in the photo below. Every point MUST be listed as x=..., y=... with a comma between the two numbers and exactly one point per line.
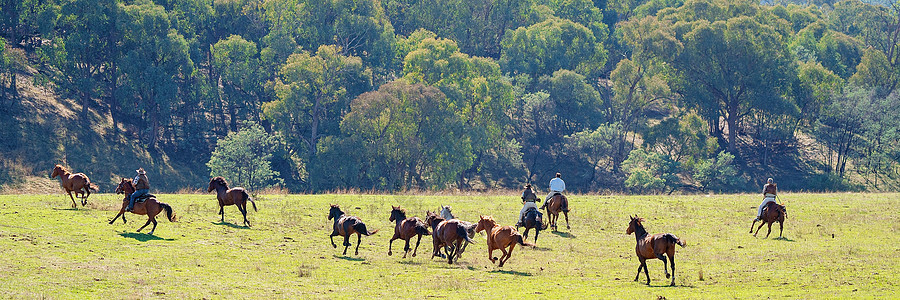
x=143, y=198
x=540, y=216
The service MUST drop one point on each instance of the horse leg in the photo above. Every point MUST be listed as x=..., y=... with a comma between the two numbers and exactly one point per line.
x=646, y=272
x=333, y=234
x=758, y=228
x=222, y=212
x=417, y=244
x=567, y=219
x=665, y=263
x=672, y=259
x=640, y=266
x=346, y=243
x=752, y=225
x=121, y=213
x=406, y=248
x=74, y=205
x=244, y=212
x=506, y=255
x=145, y=225
x=154, y=225
x=390, y=244
x=491, y=254
x=770, y=229
x=780, y=229
x=358, y=241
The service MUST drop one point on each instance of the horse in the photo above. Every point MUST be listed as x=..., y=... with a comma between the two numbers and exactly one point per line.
x=78, y=183
x=449, y=234
x=150, y=207
x=500, y=237
x=345, y=225
x=653, y=246
x=237, y=196
x=558, y=203
x=532, y=220
x=773, y=212
x=447, y=212
x=405, y=229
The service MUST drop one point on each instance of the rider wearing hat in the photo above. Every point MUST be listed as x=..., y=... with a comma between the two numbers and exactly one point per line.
x=769, y=192
x=141, y=187
x=528, y=200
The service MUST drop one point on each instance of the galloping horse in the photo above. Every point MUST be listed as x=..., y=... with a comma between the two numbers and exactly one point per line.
x=345, y=225
x=405, y=229
x=78, y=183
x=532, y=220
x=558, y=203
x=236, y=196
x=449, y=234
x=773, y=212
x=653, y=246
x=500, y=237
x=150, y=207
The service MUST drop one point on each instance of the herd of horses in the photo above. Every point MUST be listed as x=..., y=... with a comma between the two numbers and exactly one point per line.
x=450, y=235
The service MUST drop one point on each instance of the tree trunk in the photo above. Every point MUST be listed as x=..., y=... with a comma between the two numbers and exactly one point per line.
x=314, y=128
x=732, y=119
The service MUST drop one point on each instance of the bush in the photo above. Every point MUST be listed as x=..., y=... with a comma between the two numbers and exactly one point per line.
x=244, y=157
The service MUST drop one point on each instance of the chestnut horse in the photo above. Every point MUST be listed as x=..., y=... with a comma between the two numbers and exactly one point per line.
x=452, y=235
x=78, y=183
x=773, y=212
x=150, y=207
x=532, y=220
x=653, y=246
x=406, y=229
x=236, y=196
x=558, y=203
x=500, y=237
x=345, y=225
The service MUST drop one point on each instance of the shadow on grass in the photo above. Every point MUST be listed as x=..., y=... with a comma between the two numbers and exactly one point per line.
x=70, y=208
x=517, y=273
x=567, y=235
x=410, y=262
x=783, y=239
x=541, y=248
x=349, y=258
x=669, y=286
x=232, y=225
x=143, y=237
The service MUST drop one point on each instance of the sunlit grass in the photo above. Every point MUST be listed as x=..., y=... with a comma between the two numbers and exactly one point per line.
x=835, y=246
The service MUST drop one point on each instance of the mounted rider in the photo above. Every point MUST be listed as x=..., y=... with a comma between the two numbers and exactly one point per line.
x=770, y=190
x=528, y=200
x=557, y=186
x=141, y=187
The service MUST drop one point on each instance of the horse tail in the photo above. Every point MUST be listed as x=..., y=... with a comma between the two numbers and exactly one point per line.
x=674, y=239
x=521, y=240
x=421, y=228
x=361, y=228
x=564, y=203
x=92, y=186
x=251, y=200
x=169, y=212
x=462, y=231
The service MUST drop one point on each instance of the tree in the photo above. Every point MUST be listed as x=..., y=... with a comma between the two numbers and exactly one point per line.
x=237, y=63
x=650, y=171
x=244, y=157
x=551, y=45
x=312, y=91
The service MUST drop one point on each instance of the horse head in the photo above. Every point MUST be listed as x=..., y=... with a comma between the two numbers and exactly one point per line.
x=484, y=223
x=124, y=186
x=397, y=213
x=634, y=224
x=58, y=170
x=335, y=212
x=216, y=182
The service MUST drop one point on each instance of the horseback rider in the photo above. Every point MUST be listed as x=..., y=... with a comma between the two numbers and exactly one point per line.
x=141, y=187
x=528, y=200
x=769, y=193
x=557, y=186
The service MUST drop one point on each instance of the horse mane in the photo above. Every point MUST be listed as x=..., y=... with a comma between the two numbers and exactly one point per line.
x=61, y=168
x=220, y=180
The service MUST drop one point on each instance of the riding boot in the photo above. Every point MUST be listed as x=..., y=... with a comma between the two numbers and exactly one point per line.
x=130, y=205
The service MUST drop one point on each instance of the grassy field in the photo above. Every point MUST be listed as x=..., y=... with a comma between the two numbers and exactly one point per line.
x=835, y=246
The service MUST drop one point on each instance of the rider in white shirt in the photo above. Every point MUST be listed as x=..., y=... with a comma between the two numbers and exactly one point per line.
x=557, y=186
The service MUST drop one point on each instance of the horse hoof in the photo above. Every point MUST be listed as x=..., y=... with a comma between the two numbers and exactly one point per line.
x=667, y=275
x=414, y=255
x=390, y=253
x=567, y=227
x=333, y=245
x=673, y=284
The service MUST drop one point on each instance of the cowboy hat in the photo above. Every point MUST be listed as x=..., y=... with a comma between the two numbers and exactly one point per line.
x=141, y=171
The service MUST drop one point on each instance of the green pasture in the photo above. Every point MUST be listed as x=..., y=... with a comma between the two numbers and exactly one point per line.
x=835, y=246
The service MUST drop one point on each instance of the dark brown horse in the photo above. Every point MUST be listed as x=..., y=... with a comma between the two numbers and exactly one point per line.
x=345, y=225
x=653, y=246
x=500, y=237
x=773, y=212
x=450, y=235
x=406, y=229
x=78, y=183
x=236, y=196
x=533, y=219
x=558, y=203
x=150, y=207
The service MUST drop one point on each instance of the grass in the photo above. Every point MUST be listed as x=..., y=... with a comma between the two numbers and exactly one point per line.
x=835, y=246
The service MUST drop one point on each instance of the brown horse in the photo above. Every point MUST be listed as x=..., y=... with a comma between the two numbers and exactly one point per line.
x=773, y=212
x=653, y=246
x=345, y=225
x=150, y=207
x=236, y=196
x=532, y=220
x=558, y=203
x=406, y=229
x=500, y=237
x=451, y=235
x=78, y=183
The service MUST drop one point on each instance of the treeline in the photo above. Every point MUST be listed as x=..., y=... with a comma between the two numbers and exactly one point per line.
x=646, y=96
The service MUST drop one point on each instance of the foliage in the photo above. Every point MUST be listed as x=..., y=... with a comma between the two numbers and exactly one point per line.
x=551, y=45
x=244, y=158
x=650, y=171
x=717, y=173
